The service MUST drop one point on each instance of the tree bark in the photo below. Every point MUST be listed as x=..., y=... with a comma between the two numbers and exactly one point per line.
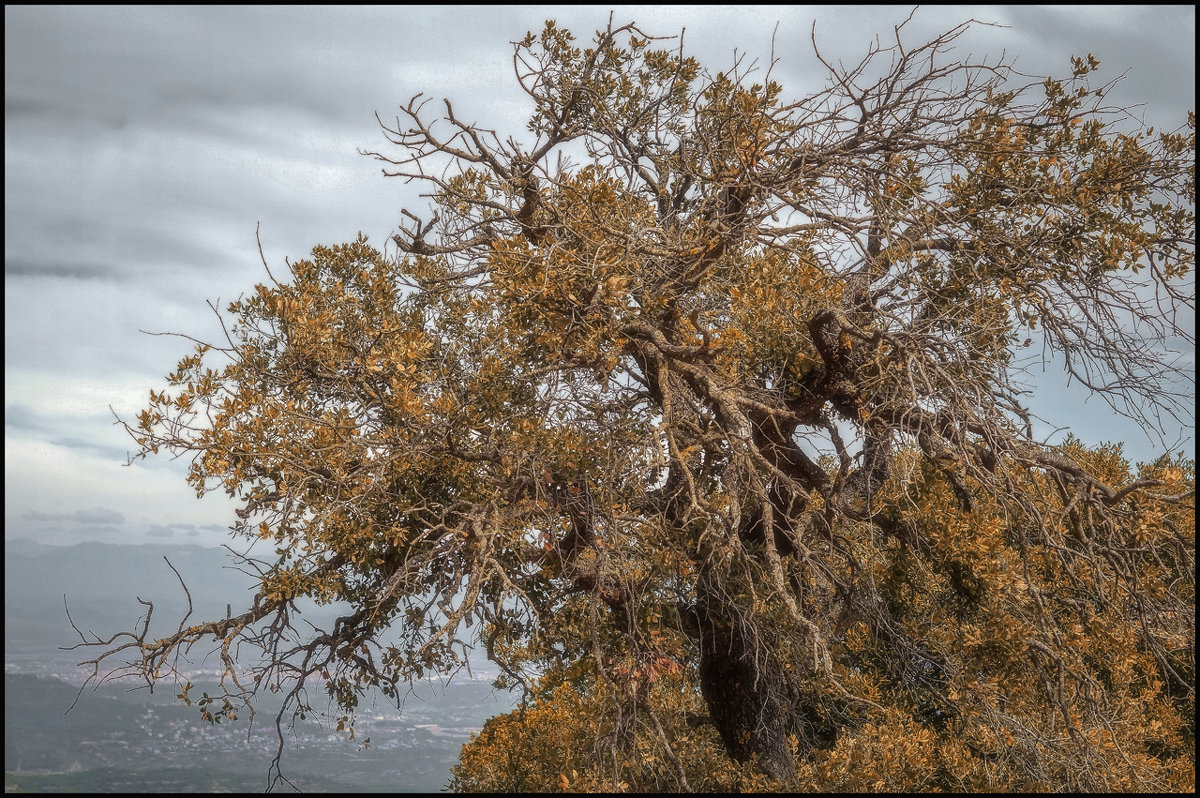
x=744, y=685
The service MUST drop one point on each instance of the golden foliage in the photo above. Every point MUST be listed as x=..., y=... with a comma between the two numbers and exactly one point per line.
x=703, y=413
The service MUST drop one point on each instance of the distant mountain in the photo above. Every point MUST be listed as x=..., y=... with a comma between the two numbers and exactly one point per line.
x=121, y=741
x=27, y=547
x=101, y=583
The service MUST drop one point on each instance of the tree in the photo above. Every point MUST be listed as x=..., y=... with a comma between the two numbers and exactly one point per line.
x=705, y=408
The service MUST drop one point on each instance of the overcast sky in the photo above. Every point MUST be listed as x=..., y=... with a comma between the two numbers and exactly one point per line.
x=142, y=146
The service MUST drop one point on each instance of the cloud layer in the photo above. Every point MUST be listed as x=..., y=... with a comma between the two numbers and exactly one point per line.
x=143, y=145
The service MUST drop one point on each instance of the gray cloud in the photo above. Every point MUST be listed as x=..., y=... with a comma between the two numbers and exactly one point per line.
x=16, y=107
x=184, y=529
x=69, y=271
x=68, y=431
x=98, y=515
x=104, y=450
x=21, y=416
x=97, y=532
x=173, y=67
x=1153, y=46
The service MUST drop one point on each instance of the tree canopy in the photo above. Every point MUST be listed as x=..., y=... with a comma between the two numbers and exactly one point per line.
x=700, y=410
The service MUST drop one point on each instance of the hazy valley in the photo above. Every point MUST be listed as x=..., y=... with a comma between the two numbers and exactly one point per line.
x=123, y=738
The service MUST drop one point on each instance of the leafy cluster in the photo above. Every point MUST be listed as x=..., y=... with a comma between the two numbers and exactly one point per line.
x=954, y=694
